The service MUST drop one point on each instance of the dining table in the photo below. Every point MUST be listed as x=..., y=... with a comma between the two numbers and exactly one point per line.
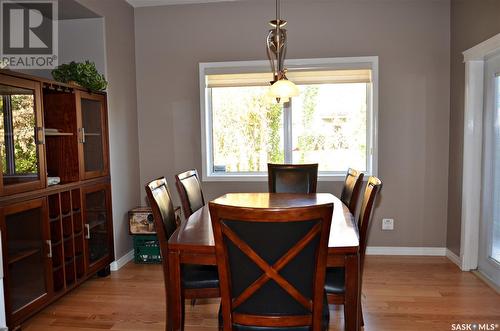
x=193, y=243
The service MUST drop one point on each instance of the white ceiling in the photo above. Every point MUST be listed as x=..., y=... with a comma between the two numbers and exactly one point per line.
x=145, y=3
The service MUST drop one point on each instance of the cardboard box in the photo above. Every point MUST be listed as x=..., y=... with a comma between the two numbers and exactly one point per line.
x=141, y=221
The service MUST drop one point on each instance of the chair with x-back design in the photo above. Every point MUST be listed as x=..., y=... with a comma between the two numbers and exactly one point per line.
x=271, y=265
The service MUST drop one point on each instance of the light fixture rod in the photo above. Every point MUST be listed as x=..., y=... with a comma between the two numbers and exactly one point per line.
x=278, y=14
x=278, y=38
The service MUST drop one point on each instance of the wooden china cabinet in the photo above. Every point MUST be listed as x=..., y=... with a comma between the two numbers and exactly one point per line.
x=55, y=193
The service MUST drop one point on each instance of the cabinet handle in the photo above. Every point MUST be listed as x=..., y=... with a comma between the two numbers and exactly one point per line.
x=40, y=133
x=87, y=227
x=82, y=135
x=49, y=242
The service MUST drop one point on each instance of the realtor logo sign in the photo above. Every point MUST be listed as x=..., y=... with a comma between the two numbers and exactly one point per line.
x=29, y=34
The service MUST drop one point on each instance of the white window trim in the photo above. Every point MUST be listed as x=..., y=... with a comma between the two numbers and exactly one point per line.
x=365, y=62
x=474, y=59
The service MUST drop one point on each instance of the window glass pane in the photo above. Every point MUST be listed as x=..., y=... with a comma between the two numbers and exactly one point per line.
x=26, y=257
x=247, y=129
x=97, y=218
x=18, y=151
x=495, y=239
x=23, y=118
x=329, y=126
x=93, y=147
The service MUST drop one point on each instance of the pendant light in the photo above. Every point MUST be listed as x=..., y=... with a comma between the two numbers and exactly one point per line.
x=281, y=88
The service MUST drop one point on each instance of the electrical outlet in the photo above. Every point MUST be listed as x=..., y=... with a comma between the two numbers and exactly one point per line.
x=387, y=224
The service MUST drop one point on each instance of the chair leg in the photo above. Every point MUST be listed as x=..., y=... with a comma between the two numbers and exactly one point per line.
x=183, y=309
x=193, y=302
x=345, y=314
x=361, y=318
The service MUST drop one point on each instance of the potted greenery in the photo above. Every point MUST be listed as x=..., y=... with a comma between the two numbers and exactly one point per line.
x=84, y=74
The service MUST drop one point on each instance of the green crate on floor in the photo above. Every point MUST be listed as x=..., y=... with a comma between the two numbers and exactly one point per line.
x=146, y=249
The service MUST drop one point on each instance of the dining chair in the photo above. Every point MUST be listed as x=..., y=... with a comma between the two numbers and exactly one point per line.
x=335, y=277
x=292, y=178
x=197, y=281
x=272, y=267
x=352, y=188
x=189, y=189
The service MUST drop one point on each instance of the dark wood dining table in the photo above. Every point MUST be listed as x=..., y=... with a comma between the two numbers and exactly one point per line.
x=193, y=242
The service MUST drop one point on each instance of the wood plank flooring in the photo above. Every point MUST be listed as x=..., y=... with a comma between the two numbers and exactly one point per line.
x=399, y=293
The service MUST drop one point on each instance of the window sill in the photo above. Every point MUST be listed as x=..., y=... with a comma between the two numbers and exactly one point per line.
x=263, y=178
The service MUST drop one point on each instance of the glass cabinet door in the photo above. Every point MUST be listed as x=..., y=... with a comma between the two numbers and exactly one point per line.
x=98, y=230
x=27, y=255
x=92, y=135
x=21, y=135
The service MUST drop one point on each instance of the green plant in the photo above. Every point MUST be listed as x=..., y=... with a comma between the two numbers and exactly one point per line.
x=84, y=74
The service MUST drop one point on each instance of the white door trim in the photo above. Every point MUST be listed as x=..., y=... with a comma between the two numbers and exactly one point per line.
x=474, y=59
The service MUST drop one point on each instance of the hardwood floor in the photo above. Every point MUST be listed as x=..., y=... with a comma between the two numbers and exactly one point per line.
x=399, y=293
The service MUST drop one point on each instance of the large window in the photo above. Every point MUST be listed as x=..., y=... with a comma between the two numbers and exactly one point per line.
x=331, y=122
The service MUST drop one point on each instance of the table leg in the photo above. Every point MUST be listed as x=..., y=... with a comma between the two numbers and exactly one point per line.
x=174, y=293
x=352, y=292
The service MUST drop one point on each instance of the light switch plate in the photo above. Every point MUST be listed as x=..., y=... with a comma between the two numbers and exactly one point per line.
x=388, y=224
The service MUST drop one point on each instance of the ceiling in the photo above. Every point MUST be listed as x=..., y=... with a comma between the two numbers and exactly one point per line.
x=70, y=10
x=145, y=3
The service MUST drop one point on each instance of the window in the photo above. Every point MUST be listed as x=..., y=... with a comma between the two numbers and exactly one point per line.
x=331, y=122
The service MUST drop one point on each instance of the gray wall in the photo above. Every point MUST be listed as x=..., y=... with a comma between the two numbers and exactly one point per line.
x=411, y=39
x=82, y=39
x=79, y=39
x=122, y=113
x=472, y=22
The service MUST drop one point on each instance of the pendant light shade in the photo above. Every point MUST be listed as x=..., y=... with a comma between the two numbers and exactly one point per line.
x=284, y=89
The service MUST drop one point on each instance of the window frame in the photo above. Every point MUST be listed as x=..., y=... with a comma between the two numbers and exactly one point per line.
x=338, y=63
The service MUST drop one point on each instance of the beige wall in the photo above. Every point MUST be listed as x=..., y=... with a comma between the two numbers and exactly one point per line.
x=472, y=22
x=90, y=44
x=411, y=39
x=122, y=113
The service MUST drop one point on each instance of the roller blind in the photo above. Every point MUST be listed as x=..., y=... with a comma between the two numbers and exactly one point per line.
x=298, y=77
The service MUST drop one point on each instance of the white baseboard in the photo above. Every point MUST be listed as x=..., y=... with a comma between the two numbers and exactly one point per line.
x=454, y=258
x=116, y=265
x=424, y=251
x=371, y=250
x=487, y=280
